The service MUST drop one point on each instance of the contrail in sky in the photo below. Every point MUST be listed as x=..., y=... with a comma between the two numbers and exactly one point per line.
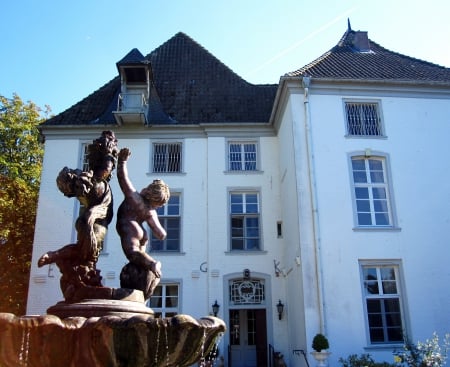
x=303, y=40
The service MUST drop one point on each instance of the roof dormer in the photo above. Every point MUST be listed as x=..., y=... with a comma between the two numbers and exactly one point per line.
x=135, y=79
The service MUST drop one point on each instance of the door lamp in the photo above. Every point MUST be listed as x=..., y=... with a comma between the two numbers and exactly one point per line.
x=215, y=308
x=280, y=308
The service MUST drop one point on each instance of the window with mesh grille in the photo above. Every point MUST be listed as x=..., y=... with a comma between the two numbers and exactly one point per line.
x=363, y=119
x=242, y=156
x=167, y=157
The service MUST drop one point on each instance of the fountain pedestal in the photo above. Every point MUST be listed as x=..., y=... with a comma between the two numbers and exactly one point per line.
x=106, y=332
x=111, y=341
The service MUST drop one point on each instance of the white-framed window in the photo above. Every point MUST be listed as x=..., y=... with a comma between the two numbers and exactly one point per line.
x=245, y=220
x=363, y=119
x=167, y=157
x=165, y=301
x=84, y=157
x=371, y=191
x=242, y=156
x=383, y=302
x=170, y=218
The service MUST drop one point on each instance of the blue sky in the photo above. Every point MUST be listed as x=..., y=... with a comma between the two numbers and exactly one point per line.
x=57, y=52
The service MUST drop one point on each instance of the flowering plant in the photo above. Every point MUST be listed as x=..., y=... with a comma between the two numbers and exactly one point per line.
x=423, y=354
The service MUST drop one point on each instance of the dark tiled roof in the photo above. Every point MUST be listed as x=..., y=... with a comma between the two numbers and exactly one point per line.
x=348, y=61
x=94, y=109
x=132, y=57
x=190, y=86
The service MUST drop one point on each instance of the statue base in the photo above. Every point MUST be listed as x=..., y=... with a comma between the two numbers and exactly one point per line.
x=99, y=308
x=122, y=302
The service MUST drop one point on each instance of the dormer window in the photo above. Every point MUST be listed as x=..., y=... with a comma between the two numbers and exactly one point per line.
x=135, y=75
x=135, y=78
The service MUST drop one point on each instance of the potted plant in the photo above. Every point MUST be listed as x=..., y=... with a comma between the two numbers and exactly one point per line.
x=320, y=345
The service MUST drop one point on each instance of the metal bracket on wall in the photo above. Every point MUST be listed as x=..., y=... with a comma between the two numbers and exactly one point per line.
x=297, y=352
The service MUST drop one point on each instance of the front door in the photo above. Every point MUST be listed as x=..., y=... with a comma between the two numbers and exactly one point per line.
x=248, y=338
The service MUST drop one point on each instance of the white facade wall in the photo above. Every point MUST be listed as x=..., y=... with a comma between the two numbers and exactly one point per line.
x=416, y=126
x=54, y=224
x=298, y=286
x=204, y=185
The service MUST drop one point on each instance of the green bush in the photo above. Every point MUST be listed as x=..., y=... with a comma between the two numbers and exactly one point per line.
x=320, y=342
x=363, y=360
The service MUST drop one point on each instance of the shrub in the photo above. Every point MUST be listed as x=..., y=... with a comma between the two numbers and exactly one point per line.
x=424, y=354
x=363, y=360
x=320, y=342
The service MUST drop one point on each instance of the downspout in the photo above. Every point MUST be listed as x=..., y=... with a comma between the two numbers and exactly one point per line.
x=208, y=262
x=306, y=80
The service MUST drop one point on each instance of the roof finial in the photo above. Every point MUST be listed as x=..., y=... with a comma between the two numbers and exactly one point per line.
x=349, y=27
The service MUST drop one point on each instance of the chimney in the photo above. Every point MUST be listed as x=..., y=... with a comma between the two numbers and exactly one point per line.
x=361, y=41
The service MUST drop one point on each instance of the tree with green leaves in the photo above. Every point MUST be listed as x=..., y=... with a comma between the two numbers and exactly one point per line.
x=21, y=154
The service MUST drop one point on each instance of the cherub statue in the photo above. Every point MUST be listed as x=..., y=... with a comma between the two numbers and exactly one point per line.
x=77, y=261
x=142, y=272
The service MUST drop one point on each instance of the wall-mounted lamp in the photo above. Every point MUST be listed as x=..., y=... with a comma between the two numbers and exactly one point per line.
x=246, y=273
x=280, y=308
x=215, y=308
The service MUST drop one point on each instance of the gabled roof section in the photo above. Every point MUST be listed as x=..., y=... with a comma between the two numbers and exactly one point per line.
x=356, y=57
x=196, y=87
x=132, y=57
x=190, y=86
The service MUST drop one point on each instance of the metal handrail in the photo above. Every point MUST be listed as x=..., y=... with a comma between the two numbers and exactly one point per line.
x=123, y=105
x=271, y=350
x=301, y=351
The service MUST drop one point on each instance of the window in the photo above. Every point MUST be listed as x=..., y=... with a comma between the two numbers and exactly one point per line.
x=167, y=157
x=244, y=209
x=247, y=291
x=371, y=192
x=170, y=218
x=165, y=300
x=243, y=327
x=242, y=156
x=84, y=157
x=363, y=119
x=383, y=303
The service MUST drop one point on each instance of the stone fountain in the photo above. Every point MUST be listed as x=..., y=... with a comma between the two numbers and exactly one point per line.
x=102, y=326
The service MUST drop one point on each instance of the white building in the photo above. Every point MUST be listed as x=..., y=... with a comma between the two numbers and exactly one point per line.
x=326, y=193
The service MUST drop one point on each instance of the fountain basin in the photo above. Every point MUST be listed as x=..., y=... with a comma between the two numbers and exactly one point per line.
x=113, y=341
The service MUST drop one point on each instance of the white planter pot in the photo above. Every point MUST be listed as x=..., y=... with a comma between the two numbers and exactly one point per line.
x=321, y=358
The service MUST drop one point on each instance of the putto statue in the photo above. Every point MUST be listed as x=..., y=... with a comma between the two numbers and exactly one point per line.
x=77, y=261
x=142, y=272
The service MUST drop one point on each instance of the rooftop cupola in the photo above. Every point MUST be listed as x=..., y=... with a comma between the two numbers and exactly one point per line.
x=135, y=79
